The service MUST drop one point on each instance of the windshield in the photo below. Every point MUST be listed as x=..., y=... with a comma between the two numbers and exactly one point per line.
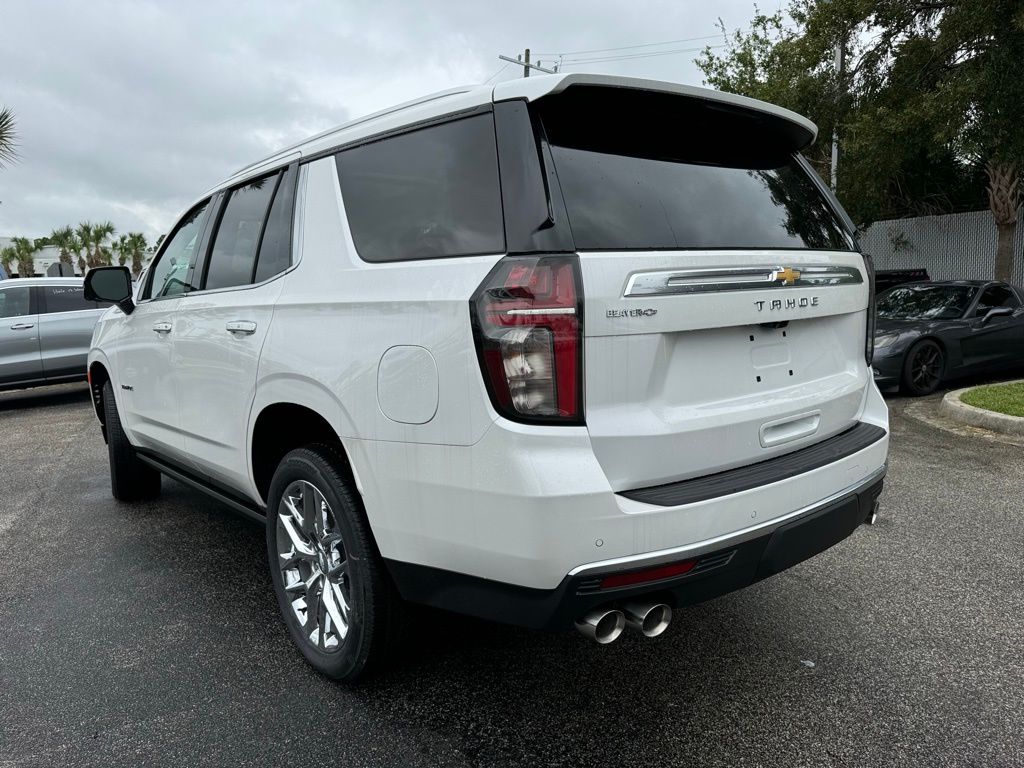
x=926, y=302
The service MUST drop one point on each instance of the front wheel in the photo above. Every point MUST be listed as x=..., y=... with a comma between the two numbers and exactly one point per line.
x=923, y=368
x=131, y=479
x=334, y=595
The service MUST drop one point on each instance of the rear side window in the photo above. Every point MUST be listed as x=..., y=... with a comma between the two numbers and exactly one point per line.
x=996, y=296
x=65, y=298
x=426, y=194
x=276, y=246
x=667, y=172
x=233, y=258
x=14, y=302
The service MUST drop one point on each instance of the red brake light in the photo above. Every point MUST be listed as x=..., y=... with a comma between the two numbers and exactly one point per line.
x=528, y=324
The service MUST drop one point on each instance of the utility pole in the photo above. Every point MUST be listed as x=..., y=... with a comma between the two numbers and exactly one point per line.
x=840, y=63
x=524, y=60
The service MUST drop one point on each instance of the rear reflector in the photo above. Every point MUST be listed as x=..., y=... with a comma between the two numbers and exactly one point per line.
x=651, y=574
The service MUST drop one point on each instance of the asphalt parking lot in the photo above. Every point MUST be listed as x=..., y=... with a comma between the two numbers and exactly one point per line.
x=149, y=636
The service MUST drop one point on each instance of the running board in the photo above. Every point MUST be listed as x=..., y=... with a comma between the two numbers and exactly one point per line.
x=245, y=509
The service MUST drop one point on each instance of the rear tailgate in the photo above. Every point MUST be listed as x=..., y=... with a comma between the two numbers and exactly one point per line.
x=686, y=384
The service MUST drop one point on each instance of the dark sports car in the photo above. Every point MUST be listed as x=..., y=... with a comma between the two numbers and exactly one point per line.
x=927, y=333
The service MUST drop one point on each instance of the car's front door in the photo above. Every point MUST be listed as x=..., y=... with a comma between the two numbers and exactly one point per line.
x=146, y=377
x=999, y=340
x=19, y=335
x=220, y=329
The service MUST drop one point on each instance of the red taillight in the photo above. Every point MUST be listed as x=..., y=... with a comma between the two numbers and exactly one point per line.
x=651, y=574
x=527, y=319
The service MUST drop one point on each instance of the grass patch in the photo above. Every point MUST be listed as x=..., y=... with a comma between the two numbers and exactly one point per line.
x=1001, y=398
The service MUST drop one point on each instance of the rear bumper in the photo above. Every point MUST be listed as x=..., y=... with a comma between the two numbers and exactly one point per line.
x=723, y=565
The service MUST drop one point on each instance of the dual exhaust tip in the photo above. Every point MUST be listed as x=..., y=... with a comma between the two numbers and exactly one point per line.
x=605, y=625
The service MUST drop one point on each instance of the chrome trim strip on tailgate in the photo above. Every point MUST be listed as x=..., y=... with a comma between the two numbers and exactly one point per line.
x=678, y=281
x=646, y=559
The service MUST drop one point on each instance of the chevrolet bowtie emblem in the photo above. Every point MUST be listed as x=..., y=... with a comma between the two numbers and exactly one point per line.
x=786, y=276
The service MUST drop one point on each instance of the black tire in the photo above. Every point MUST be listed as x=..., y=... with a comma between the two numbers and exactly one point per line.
x=131, y=479
x=372, y=602
x=924, y=367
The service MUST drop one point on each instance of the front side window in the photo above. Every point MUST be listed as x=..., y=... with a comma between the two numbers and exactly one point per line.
x=170, y=272
x=996, y=296
x=14, y=301
x=426, y=194
x=233, y=258
x=925, y=302
x=65, y=298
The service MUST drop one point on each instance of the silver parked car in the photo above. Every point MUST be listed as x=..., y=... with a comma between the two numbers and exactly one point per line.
x=45, y=330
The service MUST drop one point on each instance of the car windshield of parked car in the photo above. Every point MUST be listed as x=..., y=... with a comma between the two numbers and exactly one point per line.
x=926, y=302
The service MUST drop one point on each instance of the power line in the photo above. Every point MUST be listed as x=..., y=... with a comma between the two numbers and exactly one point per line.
x=631, y=47
x=637, y=55
x=501, y=69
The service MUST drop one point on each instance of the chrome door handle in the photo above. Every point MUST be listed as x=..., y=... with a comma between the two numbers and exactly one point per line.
x=22, y=326
x=162, y=327
x=245, y=327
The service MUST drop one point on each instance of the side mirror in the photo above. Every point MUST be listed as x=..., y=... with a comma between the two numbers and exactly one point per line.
x=996, y=312
x=113, y=284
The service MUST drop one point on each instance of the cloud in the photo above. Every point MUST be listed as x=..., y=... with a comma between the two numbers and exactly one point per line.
x=129, y=110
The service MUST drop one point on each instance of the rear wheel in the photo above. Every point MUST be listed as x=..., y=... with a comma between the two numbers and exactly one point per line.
x=923, y=368
x=131, y=479
x=331, y=586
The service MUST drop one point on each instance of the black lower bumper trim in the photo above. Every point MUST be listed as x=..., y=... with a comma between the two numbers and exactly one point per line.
x=724, y=570
x=754, y=475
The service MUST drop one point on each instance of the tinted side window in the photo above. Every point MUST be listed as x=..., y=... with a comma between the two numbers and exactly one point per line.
x=233, y=258
x=276, y=246
x=14, y=302
x=426, y=194
x=996, y=296
x=169, y=274
x=65, y=298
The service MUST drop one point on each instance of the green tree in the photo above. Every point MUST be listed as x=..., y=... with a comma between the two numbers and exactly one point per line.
x=6, y=258
x=928, y=109
x=83, y=242
x=66, y=243
x=133, y=247
x=101, y=253
x=24, y=256
x=8, y=138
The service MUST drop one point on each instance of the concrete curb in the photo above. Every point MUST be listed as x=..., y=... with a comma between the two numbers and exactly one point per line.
x=954, y=409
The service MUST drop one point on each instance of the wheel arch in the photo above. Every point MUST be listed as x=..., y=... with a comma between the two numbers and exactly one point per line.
x=98, y=376
x=280, y=426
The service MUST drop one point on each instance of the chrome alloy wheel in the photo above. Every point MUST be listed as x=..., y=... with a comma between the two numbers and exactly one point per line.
x=314, y=566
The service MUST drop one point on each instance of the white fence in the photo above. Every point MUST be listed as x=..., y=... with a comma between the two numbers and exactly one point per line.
x=955, y=246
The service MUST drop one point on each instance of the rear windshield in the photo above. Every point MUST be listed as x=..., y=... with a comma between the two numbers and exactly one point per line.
x=670, y=172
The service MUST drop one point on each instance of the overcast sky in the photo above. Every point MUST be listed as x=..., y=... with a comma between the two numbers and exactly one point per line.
x=127, y=111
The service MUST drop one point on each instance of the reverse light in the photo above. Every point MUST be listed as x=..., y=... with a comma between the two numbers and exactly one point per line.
x=528, y=324
x=869, y=342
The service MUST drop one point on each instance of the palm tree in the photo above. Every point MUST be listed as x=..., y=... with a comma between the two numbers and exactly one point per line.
x=66, y=242
x=83, y=238
x=7, y=255
x=134, y=247
x=101, y=252
x=8, y=135
x=24, y=253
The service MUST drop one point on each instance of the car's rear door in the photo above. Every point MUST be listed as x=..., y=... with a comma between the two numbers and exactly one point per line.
x=221, y=327
x=725, y=303
x=19, y=335
x=66, y=323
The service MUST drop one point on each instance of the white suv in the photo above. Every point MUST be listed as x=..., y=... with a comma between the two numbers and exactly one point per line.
x=568, y=350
